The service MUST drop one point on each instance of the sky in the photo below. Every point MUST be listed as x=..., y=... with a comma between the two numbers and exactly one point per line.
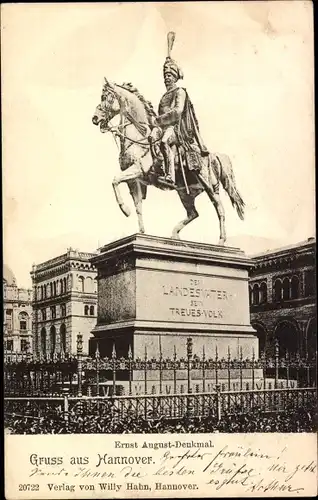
x=249, y=71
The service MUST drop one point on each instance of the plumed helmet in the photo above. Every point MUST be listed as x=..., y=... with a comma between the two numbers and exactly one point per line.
x=170, y=66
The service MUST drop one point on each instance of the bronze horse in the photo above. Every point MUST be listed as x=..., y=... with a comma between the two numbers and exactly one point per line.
x=137, y=164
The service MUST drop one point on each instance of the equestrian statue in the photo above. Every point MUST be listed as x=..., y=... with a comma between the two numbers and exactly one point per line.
x=164, y=150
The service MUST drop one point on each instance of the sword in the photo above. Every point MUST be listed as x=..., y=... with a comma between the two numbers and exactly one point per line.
x=182, y=171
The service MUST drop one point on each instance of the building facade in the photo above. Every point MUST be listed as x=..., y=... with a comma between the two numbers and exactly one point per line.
x=282, y=292
x=65, y=302
x=17, y=315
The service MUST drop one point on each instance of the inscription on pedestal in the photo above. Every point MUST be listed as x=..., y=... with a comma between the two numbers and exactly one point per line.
x=198, y=300
x=179, y=298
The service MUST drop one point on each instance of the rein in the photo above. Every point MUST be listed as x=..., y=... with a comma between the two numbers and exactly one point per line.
x=114, y=130
x=131, y=121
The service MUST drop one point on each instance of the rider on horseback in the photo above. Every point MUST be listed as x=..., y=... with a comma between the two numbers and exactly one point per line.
x=177, y=121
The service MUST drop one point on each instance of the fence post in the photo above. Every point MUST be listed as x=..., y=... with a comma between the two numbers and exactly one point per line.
x=218, y=403
x=160, y=367
x=130, y=369
x=264, y=366
x=203, y=369
x=297, y=367
x=216, y=366
x=174, y=370
x=145, y=371
x=241, y=368
x=308, y=370
x=97, y=358
x=79, y=353
x=66, y=411
x=228, y=368
x=253, y=370
x=114, y=368
x=276, y=363
x=287, y=368
x=189, y=366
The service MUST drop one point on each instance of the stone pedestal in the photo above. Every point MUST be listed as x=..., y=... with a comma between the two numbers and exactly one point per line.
x=154, y=293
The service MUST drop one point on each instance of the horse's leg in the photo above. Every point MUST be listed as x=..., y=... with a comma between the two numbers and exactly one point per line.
x=135, y=191
x=188, y=203
x=216, y=200
x=129, y=174
x=213, y=194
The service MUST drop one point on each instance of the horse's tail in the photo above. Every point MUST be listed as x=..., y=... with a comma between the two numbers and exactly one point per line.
x=226, y=176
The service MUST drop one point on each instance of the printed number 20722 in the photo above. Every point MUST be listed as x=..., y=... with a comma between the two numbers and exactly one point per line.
x=28, y=487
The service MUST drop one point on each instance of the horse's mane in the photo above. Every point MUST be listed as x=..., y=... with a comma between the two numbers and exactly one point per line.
x=148, y=105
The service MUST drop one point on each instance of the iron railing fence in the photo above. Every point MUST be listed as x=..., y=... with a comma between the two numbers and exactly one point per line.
x=53, y=375
x=62, y=412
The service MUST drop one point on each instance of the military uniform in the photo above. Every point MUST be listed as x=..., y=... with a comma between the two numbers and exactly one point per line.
x=177, y=121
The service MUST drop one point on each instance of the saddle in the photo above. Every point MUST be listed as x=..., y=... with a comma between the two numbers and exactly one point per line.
x=186, y=164
x=191, y=158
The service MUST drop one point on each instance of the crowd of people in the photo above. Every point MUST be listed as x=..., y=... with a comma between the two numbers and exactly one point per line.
x=52, y=420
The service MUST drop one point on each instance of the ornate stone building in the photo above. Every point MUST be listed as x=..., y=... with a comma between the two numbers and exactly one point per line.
x=17, y=315
x=283, y=299
x=65, y=302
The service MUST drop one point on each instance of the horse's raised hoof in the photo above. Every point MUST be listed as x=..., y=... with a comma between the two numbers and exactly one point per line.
x=222, y=242
x=125, y=209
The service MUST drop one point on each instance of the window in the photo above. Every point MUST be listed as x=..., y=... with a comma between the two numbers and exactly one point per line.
x=9, y=345
x=81, y=284
x=63, y=310
x=309, y=283
x=52, y=339
x=91, y=310
x=63, y=338
x=9, y=319
x=295, y=289
x=53, y=312
x=86, y=310
x=43, y=341
x=256, y=295
x=43, y=313
x=278, y=290
x=24, y=345
x=286, y=287
x=263, y=293
x=23, y=319
x=54, y=288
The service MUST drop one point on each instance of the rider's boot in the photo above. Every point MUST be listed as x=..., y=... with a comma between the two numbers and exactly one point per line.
x=168, y=162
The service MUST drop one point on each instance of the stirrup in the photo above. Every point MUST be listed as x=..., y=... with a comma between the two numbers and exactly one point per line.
x=163, y=180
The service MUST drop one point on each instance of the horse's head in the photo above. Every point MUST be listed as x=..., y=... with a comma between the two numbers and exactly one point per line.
x=108, y=107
